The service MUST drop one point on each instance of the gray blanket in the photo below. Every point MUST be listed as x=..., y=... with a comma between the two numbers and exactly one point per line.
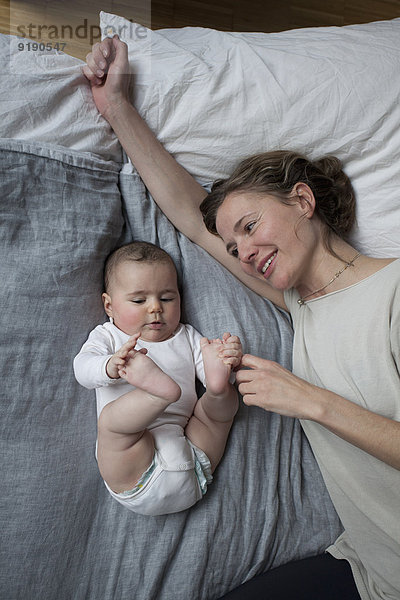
x=62, y=535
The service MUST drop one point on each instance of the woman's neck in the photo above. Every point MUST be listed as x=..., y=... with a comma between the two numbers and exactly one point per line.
x=330, y=271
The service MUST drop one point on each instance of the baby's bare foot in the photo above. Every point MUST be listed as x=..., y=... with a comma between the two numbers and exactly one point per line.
x=217, y=373
x=144, y=374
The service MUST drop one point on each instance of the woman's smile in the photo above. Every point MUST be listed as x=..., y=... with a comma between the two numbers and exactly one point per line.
x=266, y=266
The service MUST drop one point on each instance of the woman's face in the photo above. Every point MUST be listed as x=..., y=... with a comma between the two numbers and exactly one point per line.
x=270, y=239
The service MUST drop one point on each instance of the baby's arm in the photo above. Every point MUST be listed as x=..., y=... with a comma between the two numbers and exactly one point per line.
x=118, y=361
x=90, y=365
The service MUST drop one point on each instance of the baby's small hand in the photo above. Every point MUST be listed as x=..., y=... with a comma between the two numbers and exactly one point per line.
x=121, y=357
x=231, y=351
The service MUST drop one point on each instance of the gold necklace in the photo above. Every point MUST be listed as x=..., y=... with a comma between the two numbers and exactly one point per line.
x=336, y=275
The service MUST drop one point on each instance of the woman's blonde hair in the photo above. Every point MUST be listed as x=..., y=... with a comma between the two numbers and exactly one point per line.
x=277, y=173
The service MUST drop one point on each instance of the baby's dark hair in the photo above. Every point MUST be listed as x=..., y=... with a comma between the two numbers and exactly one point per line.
x=277, y=173
x=136, y=251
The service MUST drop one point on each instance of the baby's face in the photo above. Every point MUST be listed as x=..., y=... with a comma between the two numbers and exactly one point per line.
x=144, y=297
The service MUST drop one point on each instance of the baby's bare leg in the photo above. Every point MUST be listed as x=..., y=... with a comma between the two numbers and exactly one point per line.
x=125, y=446
x=208, y=433
x=209, y=426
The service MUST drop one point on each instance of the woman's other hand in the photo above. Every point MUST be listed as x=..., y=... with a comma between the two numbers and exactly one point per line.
x=270, y=386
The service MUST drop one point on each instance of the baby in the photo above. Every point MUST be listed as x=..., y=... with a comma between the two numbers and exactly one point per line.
x=158, y=444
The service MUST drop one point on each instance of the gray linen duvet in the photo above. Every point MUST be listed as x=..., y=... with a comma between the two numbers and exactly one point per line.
x=62, y=535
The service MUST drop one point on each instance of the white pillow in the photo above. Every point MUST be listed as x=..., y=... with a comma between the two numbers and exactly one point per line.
x=45, y=98
x=215, y=97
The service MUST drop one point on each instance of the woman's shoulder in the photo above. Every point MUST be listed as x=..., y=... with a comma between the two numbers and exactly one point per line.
x=382, y=273
x=371, y=266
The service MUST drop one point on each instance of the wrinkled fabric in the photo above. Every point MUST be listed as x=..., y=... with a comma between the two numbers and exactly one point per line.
x=63, y=536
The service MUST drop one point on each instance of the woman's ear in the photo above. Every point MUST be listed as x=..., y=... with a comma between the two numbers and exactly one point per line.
x=107, y=304
x=303, y=194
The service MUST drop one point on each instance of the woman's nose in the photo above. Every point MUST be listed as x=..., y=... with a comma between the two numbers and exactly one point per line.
x=246, y=252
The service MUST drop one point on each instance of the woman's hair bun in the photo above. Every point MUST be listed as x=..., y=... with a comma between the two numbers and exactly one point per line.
x=337, y=207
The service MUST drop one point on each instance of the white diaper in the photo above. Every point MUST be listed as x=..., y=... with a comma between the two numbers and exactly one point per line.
x=176, y=479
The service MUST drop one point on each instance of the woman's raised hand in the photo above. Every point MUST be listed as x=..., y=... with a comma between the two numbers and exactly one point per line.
x=107, y=69
x=272, y=387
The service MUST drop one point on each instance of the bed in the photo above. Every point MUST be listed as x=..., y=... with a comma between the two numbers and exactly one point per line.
x=69, y=196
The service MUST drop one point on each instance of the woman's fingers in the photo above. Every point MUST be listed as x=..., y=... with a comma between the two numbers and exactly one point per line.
x=254, y=362
x=92, y=62
x=94, y=80
x=102, y=54
x=120, y=52
x=244, y=375
x=98, y=60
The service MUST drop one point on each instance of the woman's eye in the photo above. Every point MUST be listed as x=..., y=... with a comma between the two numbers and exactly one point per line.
x=234, y=252
x=166, y=299
x=249, y=226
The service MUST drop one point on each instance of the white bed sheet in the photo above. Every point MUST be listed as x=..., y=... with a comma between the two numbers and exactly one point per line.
x=44, y=97
x=215, y=97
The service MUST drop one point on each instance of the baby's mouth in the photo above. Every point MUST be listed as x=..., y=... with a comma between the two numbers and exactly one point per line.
x=155, y=325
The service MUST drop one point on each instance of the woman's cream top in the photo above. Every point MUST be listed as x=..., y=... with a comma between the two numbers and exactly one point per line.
x=349, y=342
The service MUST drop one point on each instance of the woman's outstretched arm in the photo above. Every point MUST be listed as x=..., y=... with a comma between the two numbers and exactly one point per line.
x=172, y=187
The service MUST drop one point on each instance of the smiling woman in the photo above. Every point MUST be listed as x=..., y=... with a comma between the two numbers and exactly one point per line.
x=285, y=228
x=269, y=197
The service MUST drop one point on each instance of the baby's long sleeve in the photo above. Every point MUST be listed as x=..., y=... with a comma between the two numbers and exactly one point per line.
x=90, y=363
